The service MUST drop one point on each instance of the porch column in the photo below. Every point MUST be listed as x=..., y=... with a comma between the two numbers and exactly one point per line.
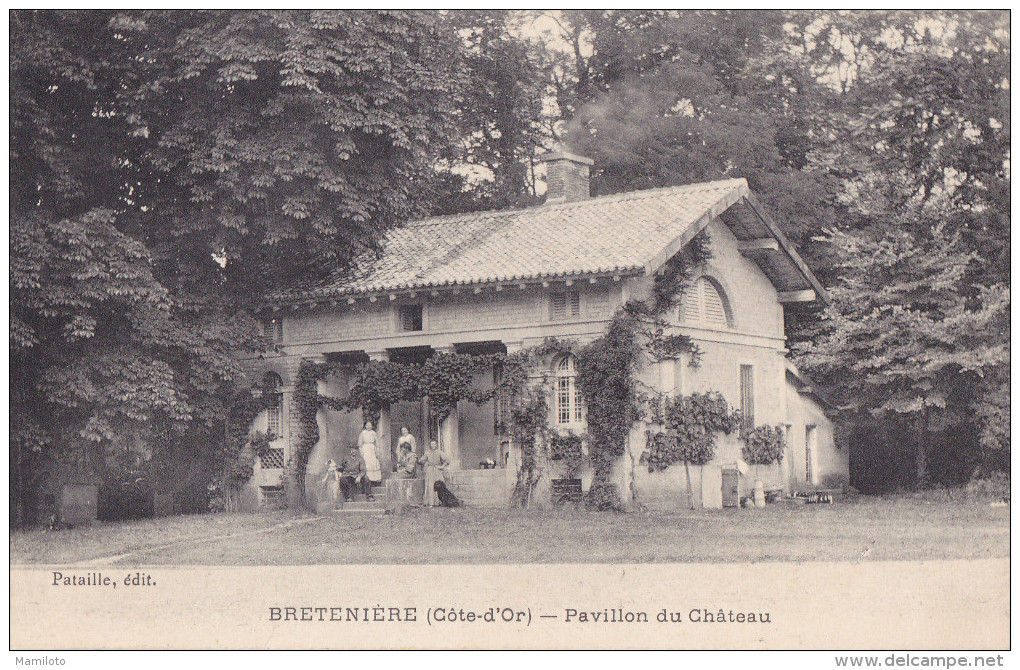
x=513, y=459
x=449, y=429
x=319, y=452
x=382, y=430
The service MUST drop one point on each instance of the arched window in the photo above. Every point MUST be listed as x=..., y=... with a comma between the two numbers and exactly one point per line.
x=272, y=385
x=568, y=396
x=704, y=304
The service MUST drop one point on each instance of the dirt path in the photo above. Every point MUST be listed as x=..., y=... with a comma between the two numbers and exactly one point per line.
x=113, y=559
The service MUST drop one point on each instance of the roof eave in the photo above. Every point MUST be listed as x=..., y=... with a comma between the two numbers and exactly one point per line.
x=787, y=247
x=337, y=296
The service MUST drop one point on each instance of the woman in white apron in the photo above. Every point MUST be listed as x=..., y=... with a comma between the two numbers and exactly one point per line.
x=370, y=452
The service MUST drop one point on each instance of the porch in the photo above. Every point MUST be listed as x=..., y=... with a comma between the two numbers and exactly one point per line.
x=473, y=436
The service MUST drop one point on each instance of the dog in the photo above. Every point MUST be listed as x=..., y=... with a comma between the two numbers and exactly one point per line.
x=446, y=497
x=487, y=464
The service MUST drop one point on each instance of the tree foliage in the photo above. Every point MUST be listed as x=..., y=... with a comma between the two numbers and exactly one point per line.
x=661, y=98
x=500, y=119
x=173, y=167
x=916, y=129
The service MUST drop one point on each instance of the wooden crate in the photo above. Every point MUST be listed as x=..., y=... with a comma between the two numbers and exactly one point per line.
x=566, y=490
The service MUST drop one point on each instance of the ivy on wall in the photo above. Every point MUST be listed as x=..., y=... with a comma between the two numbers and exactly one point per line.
x=692, y=423
x=606, y=380
x=242, y=447
x=529, y=426
x=568, y=450
x=689, y=426
x=307, y=401
x=445, y=378
x=607, y=367
x=605, y=377
x=526, y=376
x=764, y=445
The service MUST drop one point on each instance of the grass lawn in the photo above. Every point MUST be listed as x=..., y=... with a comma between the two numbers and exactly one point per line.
x=871, y=528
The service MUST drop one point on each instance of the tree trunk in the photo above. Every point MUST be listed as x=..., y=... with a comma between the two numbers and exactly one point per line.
x=921, y=453
x=690, y=491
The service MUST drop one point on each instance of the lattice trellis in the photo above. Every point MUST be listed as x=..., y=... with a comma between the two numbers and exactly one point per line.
x=272, y=458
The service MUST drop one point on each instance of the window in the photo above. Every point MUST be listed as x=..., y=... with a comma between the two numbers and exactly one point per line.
x=746, y=398
x=568, y=397
x=272, y=329
x=410, y=318
x=274, y=413
x=501, y=406
x=564, y=305
x=704, y=304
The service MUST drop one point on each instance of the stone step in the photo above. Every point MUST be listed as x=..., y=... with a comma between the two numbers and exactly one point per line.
x=363, y=504
x=476, y=495
x=476, y=481
x=374, y=508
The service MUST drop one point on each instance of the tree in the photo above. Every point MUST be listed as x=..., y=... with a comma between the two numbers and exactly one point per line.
x=916, y=130
x=500, y=118
x=905, y=340
x=170, y=170
x=661, y=98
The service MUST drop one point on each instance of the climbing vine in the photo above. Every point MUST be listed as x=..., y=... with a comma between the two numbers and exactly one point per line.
x=529, y=425
x=763, y=445
x=607, y=366
x=243, y=466
x=529, y=415
x=445, y=379
x=692, y=423
x=242, y=448
x=568, y=450
x=606, y=370
x=605, y=377
x=306, y=398
x=674, y=278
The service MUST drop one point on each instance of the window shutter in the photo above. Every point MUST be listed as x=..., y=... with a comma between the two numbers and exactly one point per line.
x=559, y=306
x=703, y=304
x=272, y=330
x=411, y=318
x=690, y=312
x=715, y=313
x=564, y=305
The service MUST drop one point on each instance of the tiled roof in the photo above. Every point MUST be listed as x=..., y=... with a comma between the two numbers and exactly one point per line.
x=609, y=234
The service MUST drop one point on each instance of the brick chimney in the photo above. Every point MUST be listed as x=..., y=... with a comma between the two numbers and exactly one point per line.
x=567, y=177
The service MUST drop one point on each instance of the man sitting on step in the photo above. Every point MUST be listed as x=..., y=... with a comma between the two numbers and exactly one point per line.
x=353, y=475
